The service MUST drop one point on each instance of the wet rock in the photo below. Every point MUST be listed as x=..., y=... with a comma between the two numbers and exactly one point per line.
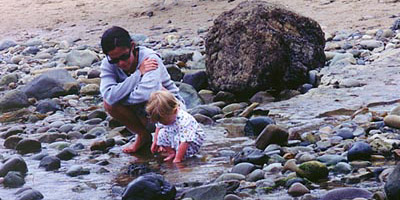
x=198, y=80
x=359, y=151
x=215, y=191
x=97, y=131
x=47, y=105
x=224, y=96
x=11, y=142
x=392, y=186
x=272, y=134
x=66, y=128
x=81, y=58
x=5, y=44
x=254, y=156
x=77, y=170
x=255, y=175
x=9, y=78
x=12, y=131
x=255, y=125
x=298, y=189
x=13, y=100
x=331, y=159
x=136, y=170
x=262, y=97
x=28, y=194
x=203, y=119
x=207, y=110
x=234, y=126
x=51, y=84
x=97, y=114
x=52, y=137
x=392, y=121
x=312, y=170
x=28, y=146
x=342, y=168
x=346, y=193
x=90, y=89
x=14, y=179
x=232, y=197
x=50, y=163
x=230, y=176
x=223, y=58
x=149, y=186
x=39, y=156
x=189, y=94
x=243, y=168
x=13, y=164
x=67, y=154
x=175, y=72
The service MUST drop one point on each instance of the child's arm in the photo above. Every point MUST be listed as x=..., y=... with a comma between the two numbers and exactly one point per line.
x=181, y=152
x=154, y=146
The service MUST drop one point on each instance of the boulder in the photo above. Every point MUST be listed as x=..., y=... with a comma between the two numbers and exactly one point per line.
x=197, y=79
x=261, y=46
x=53, y=83
x=272, y=134
x=50, y=163
x=392, y=186
x=189, y=94
x=149, y=187
x=28, y=146
x=13, y=100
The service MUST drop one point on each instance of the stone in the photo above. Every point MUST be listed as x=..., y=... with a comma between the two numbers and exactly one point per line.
x=207, y=110
x=392, y=121
x=207, y=96
x=97, y=114
x=15, y=163
x=255, y=125
x=312, y=170
x=14, y=179
x=47, y=105
x=149, y=186
x=90, y=89
x=203, y=119
x=248, y=110
x=214, y=191
x=50, y=163
x=12, y=131
x=77, y=170
x=230, y=176
x=171, y=56
x=392, y=185
x=28, y=146
x=175, y=72
x=13, y=100
x=346, y=193
x=94, y=73
x=359, y=151
x=247, y=49
x=189, y=94
x=52, y=137
x=371, y=44
x=198, y=80
x=67, y=154
x=6, y=43
x=331, y=159
x=243, y=168
x=272, y=134
x=232, y=107
x=342, y=168
x=255, y=175
x=81, y=58
x=53, y=83
x=28, y=194
x=232, y=197
x=254, y=156
x=298, y=189
x=9, y=78
x=12, y=141
x=224, y=96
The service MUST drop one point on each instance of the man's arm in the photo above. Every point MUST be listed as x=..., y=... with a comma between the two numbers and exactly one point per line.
x=111, y=90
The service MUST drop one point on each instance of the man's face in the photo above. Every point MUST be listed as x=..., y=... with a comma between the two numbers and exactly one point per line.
x=122, y=57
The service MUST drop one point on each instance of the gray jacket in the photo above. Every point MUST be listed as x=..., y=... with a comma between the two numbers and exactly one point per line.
x=117, y=87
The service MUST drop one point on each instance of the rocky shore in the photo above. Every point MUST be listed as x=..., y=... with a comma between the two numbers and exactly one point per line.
x=336, y=137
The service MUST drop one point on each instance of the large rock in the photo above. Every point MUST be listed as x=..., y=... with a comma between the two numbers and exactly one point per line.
x=197, y=79
x=82, y=58
x=392, y=186
x=150, y=187
x=13, y=164
x=13, y=100
x=51, y=84
x=189, y=94
x=259, y=46
x=28, y=194
x=272, y=134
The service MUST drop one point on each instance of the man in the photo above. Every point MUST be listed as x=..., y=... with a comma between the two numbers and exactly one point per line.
x=129, y=74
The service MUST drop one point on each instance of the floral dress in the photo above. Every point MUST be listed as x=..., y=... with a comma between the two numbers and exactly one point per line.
x=184, y=129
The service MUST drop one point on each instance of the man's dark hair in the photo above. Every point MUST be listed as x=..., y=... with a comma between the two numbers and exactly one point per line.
x=115, y=37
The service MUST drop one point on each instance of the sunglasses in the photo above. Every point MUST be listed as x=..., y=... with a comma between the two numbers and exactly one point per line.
x=123, y=57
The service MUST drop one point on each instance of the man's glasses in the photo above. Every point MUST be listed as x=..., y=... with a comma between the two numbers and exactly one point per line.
x=122, y=57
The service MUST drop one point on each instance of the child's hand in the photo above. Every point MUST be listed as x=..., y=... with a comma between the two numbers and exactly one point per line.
x=154, y=147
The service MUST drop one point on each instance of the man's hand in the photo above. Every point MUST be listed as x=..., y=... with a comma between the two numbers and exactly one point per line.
x=148, y=65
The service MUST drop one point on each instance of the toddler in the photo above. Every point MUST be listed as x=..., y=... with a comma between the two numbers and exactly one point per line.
x=177, y=132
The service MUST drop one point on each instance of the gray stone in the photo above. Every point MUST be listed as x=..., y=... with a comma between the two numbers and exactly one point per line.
x=11, y=142
x=28, y=146
x=52, y=137
x=392, y=185
x=14, y=179
x=50, y=163
x=13, y=100
x=230, y=176
x=259, y=46
x=342, y=168
x=371, y=44
x=207, y=110
x=28, y=194
x=16, y=163
x=331, y=159
x=255, y=175
x=346, y=193
x=298, y=189
x=210, y=192
x=9, y=78
x=77, y=170
x=189, y=94
x=243, y=168
x=5, y=44
x=149, y=186
x=90, y=89
x=47, y=105
x=197, y=79
x=83, y=58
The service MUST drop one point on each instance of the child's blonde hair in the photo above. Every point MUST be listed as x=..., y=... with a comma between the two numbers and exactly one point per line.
x=160, y=105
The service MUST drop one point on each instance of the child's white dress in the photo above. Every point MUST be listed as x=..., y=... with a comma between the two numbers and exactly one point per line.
x=184, y=129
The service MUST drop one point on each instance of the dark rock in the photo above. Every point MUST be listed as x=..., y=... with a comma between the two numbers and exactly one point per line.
x=28, y=146
x=346, y=193
x=189, y=94
x=50, y=163
x=67, y=154
x=98, y=146
x=396, y=25
x=345, y=133
x=39, y=156
x=272, y=134
x=12, y=131
x=206, y=110
x=47, y=105
x=359, y=151
x=262, y=97
x=305, y=88
x=30, y=51
x=215, y=191
x=11, y=142
x=94, y=74
x=313, y=171
x=392, y=185
x=175, y=73
x=13, y=164
x=52, y=137
x=255, y=125
x=149, y=187
x=198, y=80
x=203, y=119
x=28, y=194
x=14, y=179
x=294, y=180
x=97, y=114
x=136, y=169
x=94, y=121
x=171, y=57
x=13, y=100
x=51, y=84
x=259, y=46
x=254, y=156
x=224, y=96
